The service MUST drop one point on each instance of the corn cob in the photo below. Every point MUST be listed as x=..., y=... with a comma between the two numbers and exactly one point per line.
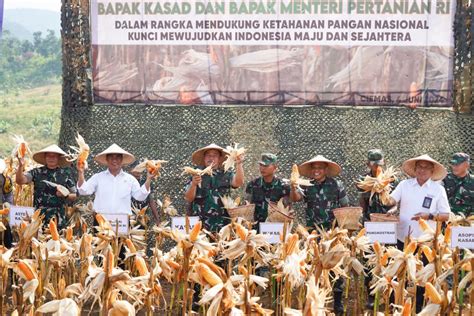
x=206, y=273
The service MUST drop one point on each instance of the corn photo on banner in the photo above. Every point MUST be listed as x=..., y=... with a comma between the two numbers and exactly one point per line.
x=391, y=52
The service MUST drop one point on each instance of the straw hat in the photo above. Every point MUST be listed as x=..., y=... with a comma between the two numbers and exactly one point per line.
x=3, y=165
x=439, y=171
x=333, y=168
x=40, y=156
x=128, y=158
x=198, y=156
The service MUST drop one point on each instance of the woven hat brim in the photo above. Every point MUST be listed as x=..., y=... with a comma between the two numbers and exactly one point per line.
x=333, y=168
x=127, y=158
x=198, y=156
x=439, y=171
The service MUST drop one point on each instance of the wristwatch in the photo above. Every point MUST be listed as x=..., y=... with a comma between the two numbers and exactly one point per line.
x=430, y=217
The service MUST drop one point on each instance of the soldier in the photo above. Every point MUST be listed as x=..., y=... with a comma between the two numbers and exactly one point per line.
x=375, y=159
x=321, y=198
x=266, y=188
x=459, y=185
x=203, y=193
x=46, y=197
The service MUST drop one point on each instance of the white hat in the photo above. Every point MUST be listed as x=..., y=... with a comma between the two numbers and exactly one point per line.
x=333, y=168
x=40, y=156
x=439, y=171
x=128, y=158
x=198, y=156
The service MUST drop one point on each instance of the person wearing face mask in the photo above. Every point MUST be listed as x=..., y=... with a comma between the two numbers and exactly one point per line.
x=321, y=198
x=203, y=193
x=54, y=169
x=459, y=185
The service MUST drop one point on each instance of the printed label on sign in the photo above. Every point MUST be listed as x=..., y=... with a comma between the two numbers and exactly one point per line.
x=272, y=231
x=462, y=237
x=384, y=233
x=121, y=219
x=179, y=222
x=17, y=213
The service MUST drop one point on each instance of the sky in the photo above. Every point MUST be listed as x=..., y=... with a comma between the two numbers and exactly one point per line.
x=54, y=5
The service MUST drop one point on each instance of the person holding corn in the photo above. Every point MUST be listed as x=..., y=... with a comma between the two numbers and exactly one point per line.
x=204, y=192
x=53, y=173
x=323, y=195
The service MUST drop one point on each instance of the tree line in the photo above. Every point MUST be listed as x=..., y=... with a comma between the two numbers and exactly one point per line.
x=29, y=64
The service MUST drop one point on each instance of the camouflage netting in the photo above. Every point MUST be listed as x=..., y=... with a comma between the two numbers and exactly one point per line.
x=295, y=134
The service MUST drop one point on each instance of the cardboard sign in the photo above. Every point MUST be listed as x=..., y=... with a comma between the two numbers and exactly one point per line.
x=122, y=220
x=179, y=222
x=462, y=237
x=272, y=231
x=383, y=232
x=17, y=213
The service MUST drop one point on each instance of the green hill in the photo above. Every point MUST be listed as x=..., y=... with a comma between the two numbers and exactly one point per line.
x=33, y=113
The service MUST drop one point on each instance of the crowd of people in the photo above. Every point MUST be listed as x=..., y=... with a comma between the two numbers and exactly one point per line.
x=430, y=192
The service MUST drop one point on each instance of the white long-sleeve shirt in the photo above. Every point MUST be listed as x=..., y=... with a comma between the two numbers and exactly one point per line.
x=113, y=194
x=428, y=198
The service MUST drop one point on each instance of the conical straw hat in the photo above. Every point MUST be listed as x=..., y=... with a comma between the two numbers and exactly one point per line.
x=439, y=171
x=333, y=168
x=40, y=156
x=128, y=158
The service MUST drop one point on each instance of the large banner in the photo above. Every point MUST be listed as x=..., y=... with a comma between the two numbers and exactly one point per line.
x=342, y=52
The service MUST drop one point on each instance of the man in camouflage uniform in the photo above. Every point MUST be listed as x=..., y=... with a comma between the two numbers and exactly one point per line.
x=266, y=188
x=459, y=185
x=375, y=159
x=203, y=193
x=46, y=197
x=321, y=198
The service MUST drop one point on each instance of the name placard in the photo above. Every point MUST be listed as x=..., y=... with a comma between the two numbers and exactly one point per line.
x=272, y=231
x=179, y=222
x=17, y=213
x=121, y=219
x=383, y=232
x=462, y=237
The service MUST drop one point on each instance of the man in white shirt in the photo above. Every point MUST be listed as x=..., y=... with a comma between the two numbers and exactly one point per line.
x=113, y=187
x=421, y=196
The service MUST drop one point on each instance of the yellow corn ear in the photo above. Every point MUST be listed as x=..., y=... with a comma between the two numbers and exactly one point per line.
x=173, y=264
x=243, y=270
x=36, y=215
x=130, y=246
x=193, y=235
x=214, y=267
x=406, y=311
x=362, y=232
x=424, y=225
x=447, y=234
x=291, y=243
x=384, y=260
x=69, y=233
x=240, y=231
x=53, y=229
x=206, y=273
x=26, y=270
x=432, y=293
x=410, y=248
x=110, y=260
x=377, y=248
x=140, y=265
x=429, y=253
